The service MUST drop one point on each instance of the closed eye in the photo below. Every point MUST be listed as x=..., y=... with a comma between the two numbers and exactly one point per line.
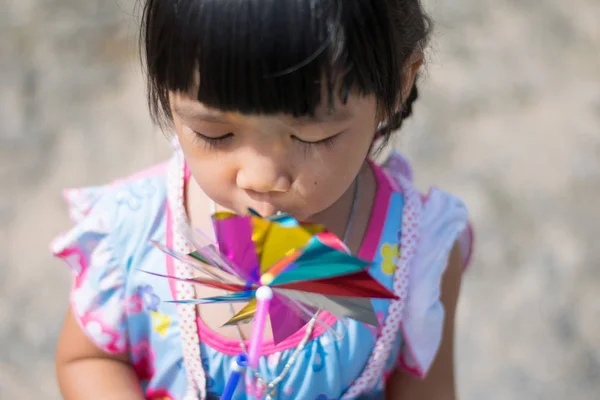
x=328, y=141
x=214, y=142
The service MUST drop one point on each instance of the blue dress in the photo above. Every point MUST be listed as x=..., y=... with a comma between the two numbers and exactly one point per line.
x=176, y=356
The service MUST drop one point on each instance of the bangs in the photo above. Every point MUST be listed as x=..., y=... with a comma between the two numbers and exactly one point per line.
x=270, y=56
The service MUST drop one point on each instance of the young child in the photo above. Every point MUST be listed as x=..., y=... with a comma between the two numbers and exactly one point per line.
x=274, y=105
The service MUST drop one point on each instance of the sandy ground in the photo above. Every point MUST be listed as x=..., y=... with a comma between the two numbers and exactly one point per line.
x=509, y=120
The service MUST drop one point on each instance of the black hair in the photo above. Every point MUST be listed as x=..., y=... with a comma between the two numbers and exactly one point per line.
x=274, y=56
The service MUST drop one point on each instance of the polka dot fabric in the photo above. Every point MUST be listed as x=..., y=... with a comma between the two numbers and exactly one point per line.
x=406, y=317
x=374, y=370
x=430, y=226
x=187, y=313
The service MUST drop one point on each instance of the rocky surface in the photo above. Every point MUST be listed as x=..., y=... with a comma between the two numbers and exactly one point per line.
x=509, y=120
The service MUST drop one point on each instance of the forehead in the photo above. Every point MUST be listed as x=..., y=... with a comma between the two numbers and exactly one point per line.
x=190, y=109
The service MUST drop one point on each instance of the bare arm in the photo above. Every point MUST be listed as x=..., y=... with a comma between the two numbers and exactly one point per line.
x=439, y=383
x=86, y=372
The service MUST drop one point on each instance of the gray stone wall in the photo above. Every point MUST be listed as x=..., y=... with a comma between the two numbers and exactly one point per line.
x=509, y=120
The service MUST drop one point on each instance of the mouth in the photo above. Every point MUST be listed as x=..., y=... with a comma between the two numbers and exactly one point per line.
x=266, y=209
x=263, y=204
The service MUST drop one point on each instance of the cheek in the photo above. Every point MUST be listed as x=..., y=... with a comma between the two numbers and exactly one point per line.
x=213, y=173
x=327, y=176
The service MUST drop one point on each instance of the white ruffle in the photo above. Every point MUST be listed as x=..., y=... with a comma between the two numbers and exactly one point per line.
x=443, y=219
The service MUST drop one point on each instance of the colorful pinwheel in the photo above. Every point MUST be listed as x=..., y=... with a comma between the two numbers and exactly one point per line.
x=306, y=267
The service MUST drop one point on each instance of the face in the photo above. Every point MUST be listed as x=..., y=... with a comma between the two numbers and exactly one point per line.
x=301, y=166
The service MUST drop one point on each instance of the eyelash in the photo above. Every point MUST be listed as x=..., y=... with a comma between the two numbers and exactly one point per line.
x=327, y=143
x=213, y=143
x=219, y=142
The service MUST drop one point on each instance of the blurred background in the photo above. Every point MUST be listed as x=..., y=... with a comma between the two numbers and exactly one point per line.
x=509, y=120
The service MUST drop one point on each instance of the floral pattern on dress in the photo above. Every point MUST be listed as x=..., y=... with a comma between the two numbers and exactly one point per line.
x=120, y=308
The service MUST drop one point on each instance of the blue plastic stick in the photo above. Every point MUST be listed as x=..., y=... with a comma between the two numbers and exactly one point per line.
x=238, y=367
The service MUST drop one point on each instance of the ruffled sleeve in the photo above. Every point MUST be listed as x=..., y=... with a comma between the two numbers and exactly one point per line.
x=443, y=222
x=98, y=290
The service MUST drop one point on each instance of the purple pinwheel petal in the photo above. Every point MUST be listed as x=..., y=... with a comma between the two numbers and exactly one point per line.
x=286, y=318
x=234, y=238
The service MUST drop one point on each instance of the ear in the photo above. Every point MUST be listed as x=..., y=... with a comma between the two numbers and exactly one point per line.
x=409, y=73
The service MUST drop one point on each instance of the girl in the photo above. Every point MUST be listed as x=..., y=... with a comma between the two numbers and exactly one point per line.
x=274, y=105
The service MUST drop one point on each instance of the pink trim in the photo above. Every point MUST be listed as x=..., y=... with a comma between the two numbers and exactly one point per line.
x=387, y=375
x=232, y=347
x=378, y=214
x=425, y=197
x=367, y=251
x=116, y=345
x=80, y=268
x=416, y=370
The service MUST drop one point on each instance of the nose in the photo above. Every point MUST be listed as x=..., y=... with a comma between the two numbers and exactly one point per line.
x=263, y=175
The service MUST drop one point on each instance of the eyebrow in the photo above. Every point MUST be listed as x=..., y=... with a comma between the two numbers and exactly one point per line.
x=337, y=116
x=192, y=112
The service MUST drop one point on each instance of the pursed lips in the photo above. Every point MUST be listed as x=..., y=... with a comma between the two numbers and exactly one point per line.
x=263, y=203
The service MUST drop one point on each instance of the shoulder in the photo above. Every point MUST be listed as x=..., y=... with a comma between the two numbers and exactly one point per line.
x=110, y=223
x=435, y=242
x=435, y=217
x=117, y=213
x=444, y=220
